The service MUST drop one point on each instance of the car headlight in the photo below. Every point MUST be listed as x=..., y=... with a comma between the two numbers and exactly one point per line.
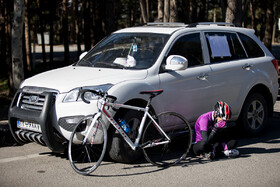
x=74, y=95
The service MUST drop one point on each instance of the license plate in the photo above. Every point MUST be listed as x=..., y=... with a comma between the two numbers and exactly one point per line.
x=29, y=126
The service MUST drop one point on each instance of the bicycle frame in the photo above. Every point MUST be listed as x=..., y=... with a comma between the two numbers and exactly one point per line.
x=134, y=145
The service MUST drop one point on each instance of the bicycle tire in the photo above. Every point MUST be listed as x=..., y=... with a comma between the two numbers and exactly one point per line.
x=85, y=158
x=178, y=130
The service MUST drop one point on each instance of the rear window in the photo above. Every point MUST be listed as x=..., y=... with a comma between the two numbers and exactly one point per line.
x=224, y=47
x=252, y=48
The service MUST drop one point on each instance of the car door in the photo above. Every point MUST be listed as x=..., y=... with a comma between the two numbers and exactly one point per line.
x=230, y=67
x=187, y=91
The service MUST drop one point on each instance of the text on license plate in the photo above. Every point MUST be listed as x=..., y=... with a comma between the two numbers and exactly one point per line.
x=29, y=126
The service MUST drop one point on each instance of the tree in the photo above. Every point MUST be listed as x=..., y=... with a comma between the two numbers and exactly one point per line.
x=52, y=19
x=173, y=11
x=252, y=10
x=87, y=24
x=234, y=12
x=77, y=25
x=276, y=13
x=41, y=29
x=27, y=40
x=193, y=11
x=269, y=24
x=6, y=32
x=160, y=10
x=17, y=53
x=65, y=31
x=166, y=13
x=110, y=17
x=144, y=7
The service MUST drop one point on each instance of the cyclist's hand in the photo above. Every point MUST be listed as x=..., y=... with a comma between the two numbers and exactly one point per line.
x=220, y=125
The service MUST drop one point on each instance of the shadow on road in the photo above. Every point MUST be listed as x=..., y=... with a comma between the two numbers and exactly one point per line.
x=270, y=136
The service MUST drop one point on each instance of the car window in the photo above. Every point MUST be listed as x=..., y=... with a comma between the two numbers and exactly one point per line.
x=224, y=47
x=252, y=48
x=189, y=46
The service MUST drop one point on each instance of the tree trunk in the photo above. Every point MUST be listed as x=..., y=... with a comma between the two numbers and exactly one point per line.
x=186, y=10
x=215, y=15
x=193, y=11
x=166, y=11
x=202, y=10
x=6, y=42
x=27, y=40
x=52, y=18
x=160, y=10
x=78, y=28
x=65, y=31
x=148, y=10
x=275, y=20
x=143, y=10
x=234, y=12
x=17, y=53
x=99, y=21
x=110, y=17
x=269, y=24
x=245, y=9
x=3, y=64
x=224, y=8
x=87, y=24
x=41, y=30
x=173, y=11
x=252, y=9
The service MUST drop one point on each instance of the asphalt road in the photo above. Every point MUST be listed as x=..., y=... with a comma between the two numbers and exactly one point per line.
x=258, y=165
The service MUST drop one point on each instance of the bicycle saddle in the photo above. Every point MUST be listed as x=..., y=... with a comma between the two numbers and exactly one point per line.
x=152, y=93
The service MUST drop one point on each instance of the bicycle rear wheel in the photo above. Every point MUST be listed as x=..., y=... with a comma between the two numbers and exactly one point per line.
x=180, y=134
x=85, y=155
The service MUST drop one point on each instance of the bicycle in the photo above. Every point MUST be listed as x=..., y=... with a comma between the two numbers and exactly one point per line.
x=165, y=138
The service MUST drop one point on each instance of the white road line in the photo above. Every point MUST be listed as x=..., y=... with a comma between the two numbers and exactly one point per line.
x=6, y=160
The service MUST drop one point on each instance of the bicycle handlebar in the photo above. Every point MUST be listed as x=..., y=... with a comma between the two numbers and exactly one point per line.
x=99, y=93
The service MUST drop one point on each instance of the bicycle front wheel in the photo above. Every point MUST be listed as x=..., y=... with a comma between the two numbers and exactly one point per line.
x=86, y=154
x=177, y=129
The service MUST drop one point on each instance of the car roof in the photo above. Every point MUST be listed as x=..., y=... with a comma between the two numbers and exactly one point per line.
x=170, y=28
x=150, y=29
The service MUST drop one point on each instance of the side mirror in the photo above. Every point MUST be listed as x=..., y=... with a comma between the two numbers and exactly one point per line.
x=82, y=55
x=176, y=62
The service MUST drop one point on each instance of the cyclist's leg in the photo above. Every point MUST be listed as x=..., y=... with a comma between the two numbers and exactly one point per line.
x=180, y=133
x=202, y=147
x=86, y=157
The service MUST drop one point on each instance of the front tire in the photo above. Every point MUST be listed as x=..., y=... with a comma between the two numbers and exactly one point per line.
x=254, y=114
x=118, y=149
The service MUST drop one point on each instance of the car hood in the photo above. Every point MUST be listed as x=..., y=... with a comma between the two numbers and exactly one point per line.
x=68, y=78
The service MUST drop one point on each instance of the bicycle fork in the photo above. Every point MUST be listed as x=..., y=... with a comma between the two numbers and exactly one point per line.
x=90, y=127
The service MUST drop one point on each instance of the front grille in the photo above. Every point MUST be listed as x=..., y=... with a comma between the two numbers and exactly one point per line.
x=31, y=101
x=33, y=98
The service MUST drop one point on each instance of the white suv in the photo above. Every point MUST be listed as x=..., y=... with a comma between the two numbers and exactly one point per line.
x=196, y=65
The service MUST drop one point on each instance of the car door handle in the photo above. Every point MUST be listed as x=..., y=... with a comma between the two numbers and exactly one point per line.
x=247, y=67
x=202, y=76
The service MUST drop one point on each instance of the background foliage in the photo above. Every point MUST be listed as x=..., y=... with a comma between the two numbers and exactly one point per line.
x=86, y=22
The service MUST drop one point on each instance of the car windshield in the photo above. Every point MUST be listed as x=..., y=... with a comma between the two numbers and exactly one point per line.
x=126, y=51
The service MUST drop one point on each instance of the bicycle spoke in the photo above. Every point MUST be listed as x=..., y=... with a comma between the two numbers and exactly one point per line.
x=86, y=157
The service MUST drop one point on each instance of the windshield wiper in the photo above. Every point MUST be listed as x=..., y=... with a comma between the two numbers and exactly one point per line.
x=109, y=65
x=83, y=62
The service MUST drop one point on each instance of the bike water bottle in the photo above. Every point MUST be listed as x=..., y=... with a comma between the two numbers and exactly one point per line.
x=124, y=126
